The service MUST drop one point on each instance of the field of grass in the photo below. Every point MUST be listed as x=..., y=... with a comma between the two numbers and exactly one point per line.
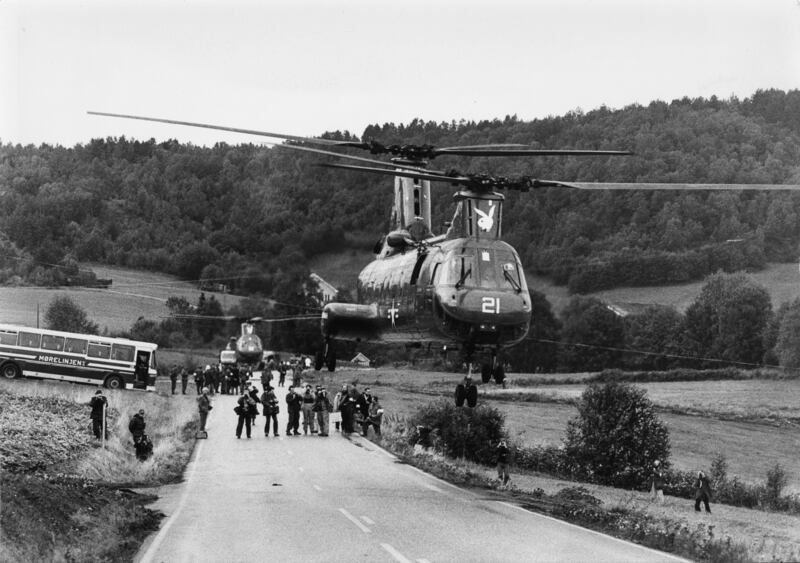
x=133, y=294
x=751, y=446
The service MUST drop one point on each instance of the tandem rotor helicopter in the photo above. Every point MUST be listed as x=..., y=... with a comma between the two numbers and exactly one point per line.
x=465, y=288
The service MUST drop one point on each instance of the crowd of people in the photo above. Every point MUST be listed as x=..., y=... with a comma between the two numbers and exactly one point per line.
x=227, y=379
x=313, y=406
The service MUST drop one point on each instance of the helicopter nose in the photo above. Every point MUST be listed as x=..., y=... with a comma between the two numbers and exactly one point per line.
x=488, y=308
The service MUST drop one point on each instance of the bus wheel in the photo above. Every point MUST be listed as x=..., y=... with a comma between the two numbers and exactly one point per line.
x=115, y=382
x=11, y=371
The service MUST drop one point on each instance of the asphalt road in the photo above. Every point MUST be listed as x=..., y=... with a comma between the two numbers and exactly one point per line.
x=311, y=498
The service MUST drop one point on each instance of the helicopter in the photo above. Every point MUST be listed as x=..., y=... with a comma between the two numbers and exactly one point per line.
x=462, y=289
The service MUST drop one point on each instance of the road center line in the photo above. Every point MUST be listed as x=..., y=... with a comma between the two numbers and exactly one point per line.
x=394, y=553
x=368, y=520
x=318, y=487
x=355, y=521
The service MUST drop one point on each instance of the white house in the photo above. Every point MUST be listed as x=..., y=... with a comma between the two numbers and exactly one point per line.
x=328, y=291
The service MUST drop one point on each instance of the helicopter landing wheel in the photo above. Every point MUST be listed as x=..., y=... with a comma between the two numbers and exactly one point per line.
x=486, y=372
x=330, y=359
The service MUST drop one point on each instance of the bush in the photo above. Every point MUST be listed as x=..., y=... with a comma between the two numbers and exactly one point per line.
x=776, y=482
x=616, y=436
x=460, y=432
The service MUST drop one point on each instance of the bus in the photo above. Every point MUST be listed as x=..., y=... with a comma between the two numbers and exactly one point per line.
x=116, y=363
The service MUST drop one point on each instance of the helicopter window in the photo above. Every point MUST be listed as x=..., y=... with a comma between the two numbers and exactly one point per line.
x=488, y=275
x=460, y=270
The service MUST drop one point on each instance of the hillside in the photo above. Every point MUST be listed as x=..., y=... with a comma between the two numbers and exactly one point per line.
x=132, y=294
x=254, y=216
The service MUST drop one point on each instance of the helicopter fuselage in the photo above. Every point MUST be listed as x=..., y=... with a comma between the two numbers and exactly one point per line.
x=467, y=291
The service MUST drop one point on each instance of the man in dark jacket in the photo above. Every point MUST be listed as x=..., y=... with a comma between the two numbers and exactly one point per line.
x=137, y=426
x=173, y=378
x=271, y=409
x=99, y=405
x=184, y=380
x=293, y=404
x=702, y=492
x=348, y=407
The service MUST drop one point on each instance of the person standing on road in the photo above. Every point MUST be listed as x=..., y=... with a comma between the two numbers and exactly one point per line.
x=173, y=378
x=271, y=409
x=323, y=408
x=348, y=408
x=99, y=406
x=657, y=483
x=204, y=406
x=702, y=492
x=184, y=380
x=245, y=404
x=336, y=416
x=502, y=462
x=308, y=413
x=198, y=380
x=293, y=405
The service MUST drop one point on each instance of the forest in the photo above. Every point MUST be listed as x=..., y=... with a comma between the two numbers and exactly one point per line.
x=252, y=215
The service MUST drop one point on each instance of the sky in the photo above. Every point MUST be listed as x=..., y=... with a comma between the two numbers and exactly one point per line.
x=304, y=67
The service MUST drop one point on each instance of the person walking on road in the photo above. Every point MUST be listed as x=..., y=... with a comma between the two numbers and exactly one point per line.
x=294, y=404
x=702, y=492
x=322, y=406
x=308, y=413
x=204, y=406
x=99, y=405
x=244, y=408
x=271, y=409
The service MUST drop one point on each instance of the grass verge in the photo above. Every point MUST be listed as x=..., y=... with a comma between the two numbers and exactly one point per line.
x=64, y=497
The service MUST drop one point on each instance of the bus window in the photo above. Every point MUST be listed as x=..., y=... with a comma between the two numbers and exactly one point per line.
x=99, y=350
x=153, y=363
x=122, y=352
x=50, y=342
x=29, y=339
x=8, y=337
x=75, y=346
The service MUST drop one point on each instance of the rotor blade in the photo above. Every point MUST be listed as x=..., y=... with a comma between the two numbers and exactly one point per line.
x=240, y=319
x=221, y=128
x=404, y=173
x=678, y=186
x=469, y=151
x=350, y=157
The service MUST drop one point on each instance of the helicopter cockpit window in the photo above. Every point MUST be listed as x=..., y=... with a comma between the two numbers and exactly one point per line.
x=460, y=270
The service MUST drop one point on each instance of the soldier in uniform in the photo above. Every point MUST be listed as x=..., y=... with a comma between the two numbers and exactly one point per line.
x=99, y=405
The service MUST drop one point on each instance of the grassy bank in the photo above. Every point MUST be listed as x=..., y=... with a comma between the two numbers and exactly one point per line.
x=66, y=498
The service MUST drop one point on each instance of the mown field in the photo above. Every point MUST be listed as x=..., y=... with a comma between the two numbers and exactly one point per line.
x=133, y=293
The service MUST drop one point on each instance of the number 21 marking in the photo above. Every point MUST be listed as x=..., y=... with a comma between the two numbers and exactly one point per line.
x=490, y=305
